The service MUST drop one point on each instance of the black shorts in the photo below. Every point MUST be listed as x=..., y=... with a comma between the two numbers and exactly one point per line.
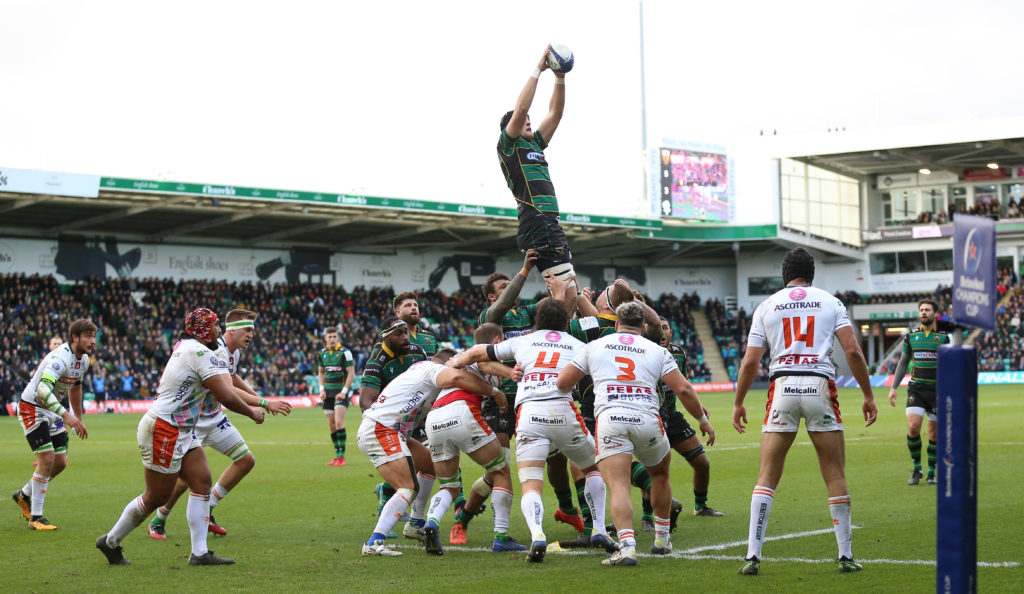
x=496, y=420
x=921, y=396
x=40, y=436
x=677, y=428
x=331, y=400
x=545, y=234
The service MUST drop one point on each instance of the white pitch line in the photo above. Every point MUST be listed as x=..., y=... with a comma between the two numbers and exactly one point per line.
x=729, y=545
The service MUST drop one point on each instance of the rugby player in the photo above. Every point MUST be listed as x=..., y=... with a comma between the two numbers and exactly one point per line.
x=44, y=418
x=797, y=326
x=390, y=416
x=337, y=370
x=215, y=430
x=681, y=435
x=388, y=359
x=547, y=420
x=922, y=346
x=626, y=369
x=169, y=446
x=521, y=153
x=455, y=425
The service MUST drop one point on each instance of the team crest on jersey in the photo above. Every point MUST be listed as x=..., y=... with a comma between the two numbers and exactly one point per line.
x=797, y=294
x=55, y=366
x=78, y=364
x=626, y=338
x=552, y=336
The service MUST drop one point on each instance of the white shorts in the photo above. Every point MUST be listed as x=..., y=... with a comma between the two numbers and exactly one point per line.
x=381, y=444
x=217, y=432
x=808, y=397
x=456, y=427
x=921, y=412
x=547, y=426
x=622, y=430
x=163, y=445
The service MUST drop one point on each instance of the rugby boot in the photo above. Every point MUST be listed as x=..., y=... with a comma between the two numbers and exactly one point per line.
x=621, y=559
x=707, y=512
x=40, y=523
x=24, y=502
x=574, y=519
x=847, y=565
x=458, y=534
x=915, y=478
x=214, y=527
x=114, y=555
x=750, y=566
x=431, y=541
x=379, y=549
x=209, y=558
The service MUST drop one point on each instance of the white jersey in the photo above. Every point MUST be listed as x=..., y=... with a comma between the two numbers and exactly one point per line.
x=61, y=368
x=212, y=406
x=491, y=379
x=797, y=325
x=626, y=369
x=542, y=354
x=180, y=397
x=400, y=404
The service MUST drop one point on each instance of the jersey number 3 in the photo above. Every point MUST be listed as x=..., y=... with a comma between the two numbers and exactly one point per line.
x=626, y=366
x=791, y=331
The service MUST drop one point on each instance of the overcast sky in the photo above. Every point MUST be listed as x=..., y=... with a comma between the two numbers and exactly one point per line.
x=403, y=98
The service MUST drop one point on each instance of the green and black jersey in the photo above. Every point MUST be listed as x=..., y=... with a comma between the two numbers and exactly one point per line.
x=923, y=348
x=423, y=338
x=668, y=397
x=384, y=365
x=589, y=329
x=335, y=363
x=516, y=321
x=526, y=172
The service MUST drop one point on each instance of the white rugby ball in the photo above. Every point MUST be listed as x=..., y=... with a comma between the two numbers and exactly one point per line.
x=560, y=58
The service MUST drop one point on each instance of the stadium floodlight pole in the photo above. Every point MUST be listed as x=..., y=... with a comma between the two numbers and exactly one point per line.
x=974, y=304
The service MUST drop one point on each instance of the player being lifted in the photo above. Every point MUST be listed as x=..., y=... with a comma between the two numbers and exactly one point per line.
x=168, y=442
x=215, y=430
x=546, y=418
x=387, y=420
x=521, y=152
x=455, y=424
x=337, y=370
x=922, y=347
x=43, y=417
x=797, y=326
x=626, y=368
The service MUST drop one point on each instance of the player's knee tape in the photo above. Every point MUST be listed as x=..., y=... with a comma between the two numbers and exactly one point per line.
x=451, y=482
x=693, y=454
x=409, y=494
x=497, y=464
x=531, y=473
x=482, y=488
x=238, y=452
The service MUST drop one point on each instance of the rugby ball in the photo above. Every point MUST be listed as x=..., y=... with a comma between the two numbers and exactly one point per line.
x=560, y=58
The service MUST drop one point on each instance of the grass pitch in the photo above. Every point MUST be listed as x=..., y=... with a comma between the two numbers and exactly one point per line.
x=297, y=525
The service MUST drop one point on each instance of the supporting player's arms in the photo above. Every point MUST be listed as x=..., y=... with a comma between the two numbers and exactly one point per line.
x=859, y=367
x=748, y=370
x=477, y=354
x=584, y=304
x=220, y=387
x=501, y=370
x=678, y=383
x=472, y=383
x=252, y=398
x=507, y=300
x=897, y=378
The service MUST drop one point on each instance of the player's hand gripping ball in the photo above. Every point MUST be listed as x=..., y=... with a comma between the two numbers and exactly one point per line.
x=560, y=59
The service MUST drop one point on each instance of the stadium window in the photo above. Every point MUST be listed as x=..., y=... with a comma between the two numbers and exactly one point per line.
x=958, y=198
x=939, y=260
x=819, y=202
x=911, y=262
x=764, y=285
x=883, y=263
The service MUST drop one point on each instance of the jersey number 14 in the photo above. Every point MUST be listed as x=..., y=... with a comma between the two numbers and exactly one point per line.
x=796, y=330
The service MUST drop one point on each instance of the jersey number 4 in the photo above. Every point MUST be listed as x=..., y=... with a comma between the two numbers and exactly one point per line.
x=552, y=362
x=791, y=331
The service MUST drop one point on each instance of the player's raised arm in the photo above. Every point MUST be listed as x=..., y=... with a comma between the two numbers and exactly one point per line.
x=507, y=299
x=514, y=128
x=556, y=106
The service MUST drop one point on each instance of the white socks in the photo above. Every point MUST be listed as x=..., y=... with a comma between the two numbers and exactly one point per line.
x=392, y=511
x=760, y=509
x=627, y=541
x=133, y=515
x=840, y=509
x=661, y=528
x=501, y=500
x=419, y=505
x=439, y=506
x=533, y=511
x=594, y=491
x=39, y=483
x=217, y=493
x=198, y=515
